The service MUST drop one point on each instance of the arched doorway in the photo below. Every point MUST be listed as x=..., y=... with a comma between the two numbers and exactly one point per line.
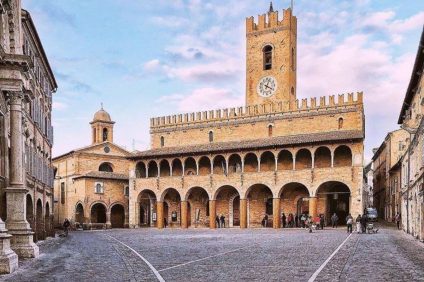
x=294, y=201
x=30, y=211
x=259, y=205
x=226, y=198
x=197, y=207
x=40, y=220
x=47, y=222
x=98, y=213
x=172, y=210
x=147, y=208
x=79, y=214
x=117, y=216
x=333, y=197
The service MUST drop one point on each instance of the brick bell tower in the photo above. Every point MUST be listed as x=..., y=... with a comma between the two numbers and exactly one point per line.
x=102, y=127
x=271, y=58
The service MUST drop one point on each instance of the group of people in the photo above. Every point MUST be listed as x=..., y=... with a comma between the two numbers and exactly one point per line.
x=220, y=221
x=361, y=223
x=290, y=221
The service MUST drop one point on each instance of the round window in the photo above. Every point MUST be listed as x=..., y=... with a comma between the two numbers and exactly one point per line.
x=107, y=149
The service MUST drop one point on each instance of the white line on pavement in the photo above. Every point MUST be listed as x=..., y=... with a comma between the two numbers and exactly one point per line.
x=157, y=274
x=197, y=260
x=314, y=276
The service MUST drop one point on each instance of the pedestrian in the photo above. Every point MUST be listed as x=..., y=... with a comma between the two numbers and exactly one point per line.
x=296, y=220
x=397, y=219
x=265, y=220
x=217, y=222
x=321, y=221
x=364, y=224
x=284, y=220
x=358, y=224
x=334, y=220
x=349, y=222
x=66, y=225
x=302, y=220
x=165, y=222
x=222, y=221
x=309, y=223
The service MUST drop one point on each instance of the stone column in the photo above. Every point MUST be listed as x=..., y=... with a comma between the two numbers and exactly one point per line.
x=243, y=213
x=276, y=213
x=313, y=206
x=184, y=221
x=8, y=258
x=159, y=211
x=108, y=223
x=22, y=242
x=212, y=214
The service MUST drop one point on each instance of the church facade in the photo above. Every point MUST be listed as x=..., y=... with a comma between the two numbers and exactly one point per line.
x=275, y=155
x=91, y=183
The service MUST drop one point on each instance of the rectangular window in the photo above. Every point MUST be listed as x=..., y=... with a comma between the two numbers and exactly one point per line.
x=126, y=191
x=62, y=192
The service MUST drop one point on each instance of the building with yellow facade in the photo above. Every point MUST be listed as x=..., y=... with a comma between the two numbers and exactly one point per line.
x=275, y=155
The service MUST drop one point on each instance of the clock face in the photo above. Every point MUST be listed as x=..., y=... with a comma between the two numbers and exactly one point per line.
x=267, y=86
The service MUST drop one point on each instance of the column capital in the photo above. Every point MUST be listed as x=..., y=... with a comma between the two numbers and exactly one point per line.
x=14, y=97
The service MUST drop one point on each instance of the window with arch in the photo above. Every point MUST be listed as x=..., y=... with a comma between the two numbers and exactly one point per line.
x=292, y=90
x=126, y=190
x=94, y=135
x=267, y=53
x=210, y=136
x=98, y=188
x=162, y=141
x=106, y=167
x=105, y=134
x=270, y=128
x=340, y=123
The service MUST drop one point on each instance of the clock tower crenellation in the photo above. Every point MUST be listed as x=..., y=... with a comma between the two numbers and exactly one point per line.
x=271, y=58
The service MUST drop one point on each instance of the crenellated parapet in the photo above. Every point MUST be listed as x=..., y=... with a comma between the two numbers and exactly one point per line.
x=304, y=105
x=270, y=21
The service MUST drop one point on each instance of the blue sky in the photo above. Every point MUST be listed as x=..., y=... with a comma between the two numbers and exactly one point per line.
x=152, y=58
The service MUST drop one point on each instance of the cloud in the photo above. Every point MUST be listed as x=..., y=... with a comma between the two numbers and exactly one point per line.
x=59, y=106
x=204, y=99
x=170, y=21
x=152, y=65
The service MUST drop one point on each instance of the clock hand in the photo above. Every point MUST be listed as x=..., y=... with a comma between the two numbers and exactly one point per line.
x=269, y=87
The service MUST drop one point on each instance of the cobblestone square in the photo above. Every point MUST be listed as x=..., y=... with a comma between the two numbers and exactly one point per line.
x=225, y=255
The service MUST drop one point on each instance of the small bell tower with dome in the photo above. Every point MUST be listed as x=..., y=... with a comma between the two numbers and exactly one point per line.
x=102, y=127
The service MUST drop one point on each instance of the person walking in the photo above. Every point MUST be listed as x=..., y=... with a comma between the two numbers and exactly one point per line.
x=397, y=219
x=218, y=225
x=349, y=222
x=284, y=220
x=265, y=221
x=321, y=221
x=334, y=220
x=358, y=224
x=296, y=220
x=66, y=225
x=364, y=224
x=222, y=221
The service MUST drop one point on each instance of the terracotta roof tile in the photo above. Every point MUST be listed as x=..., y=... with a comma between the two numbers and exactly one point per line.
x=104, y=175
x=252, y=144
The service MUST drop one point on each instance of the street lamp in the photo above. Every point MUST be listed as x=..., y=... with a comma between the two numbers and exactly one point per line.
x=410, y=131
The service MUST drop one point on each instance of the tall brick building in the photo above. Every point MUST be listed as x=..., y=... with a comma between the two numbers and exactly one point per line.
x=26, y=137
x=274, y=155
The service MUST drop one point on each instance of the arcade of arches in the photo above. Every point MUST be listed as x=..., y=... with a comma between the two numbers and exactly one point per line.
x=199, y=209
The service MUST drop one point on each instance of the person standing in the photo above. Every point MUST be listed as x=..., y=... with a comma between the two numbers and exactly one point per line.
x=66, y=225
x=265, y=220
x=321, y=221
x=222, y=221
x=397, y=219
x=218, y=225
x=284, y=220
x=349, y=222
x=358, y=224
x=334, y=220
x=296, y=220
x=302, y=220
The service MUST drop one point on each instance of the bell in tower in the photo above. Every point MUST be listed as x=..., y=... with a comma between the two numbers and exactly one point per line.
x=102, y=127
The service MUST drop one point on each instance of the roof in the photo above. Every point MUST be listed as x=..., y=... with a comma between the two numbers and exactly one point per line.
x=102, y=115
x=104, y=175
x=88, y=147
x=251, y=144
x=415, y=76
